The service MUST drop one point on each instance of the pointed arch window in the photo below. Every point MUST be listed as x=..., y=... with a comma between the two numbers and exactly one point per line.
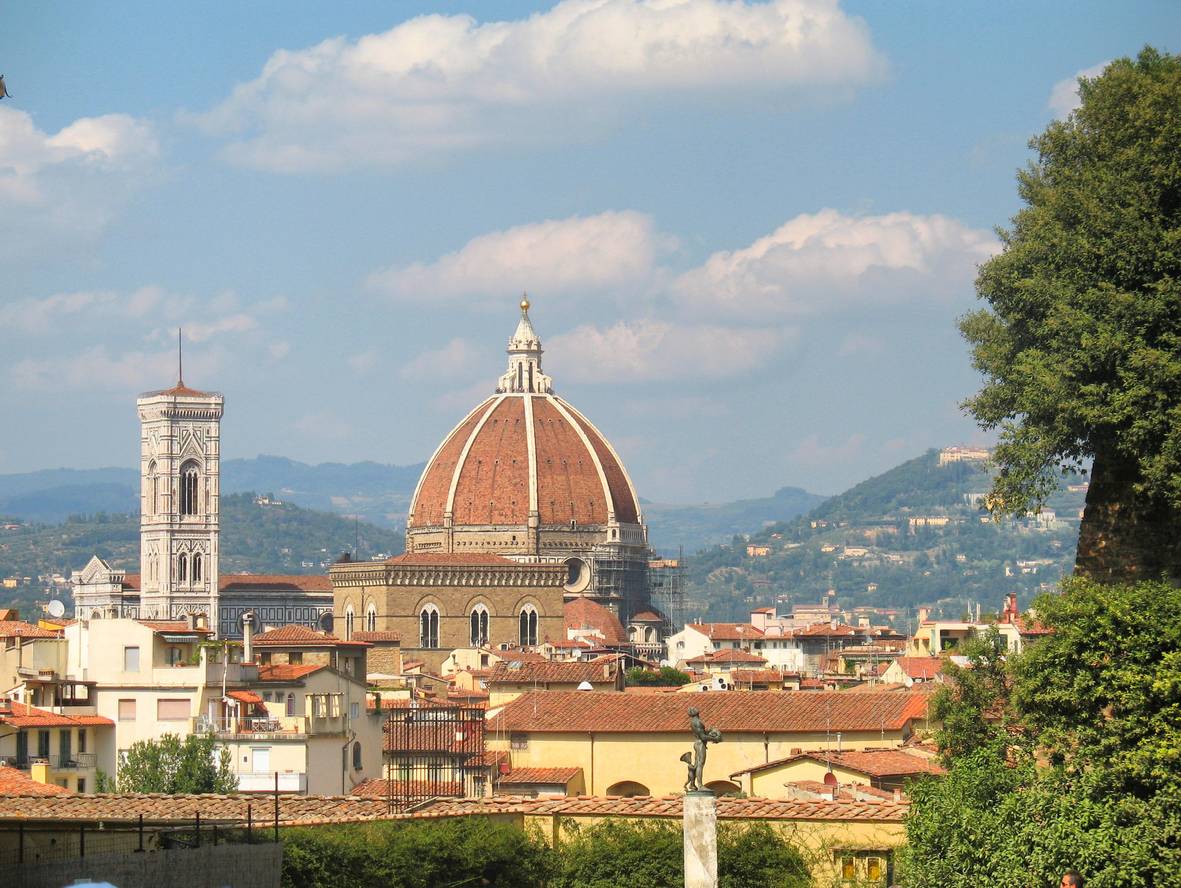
x=527, y=629
x=153, y=489
x=371, y=618
x=189, y=486
x=479, y=626
x=182, y=568
x=197, y=567
x=428, y=627
x=348, y=622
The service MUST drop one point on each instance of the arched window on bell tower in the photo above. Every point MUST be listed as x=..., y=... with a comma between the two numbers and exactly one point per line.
x=182, y=568
x=153, y=489
x=190, y=477
x=196, y=567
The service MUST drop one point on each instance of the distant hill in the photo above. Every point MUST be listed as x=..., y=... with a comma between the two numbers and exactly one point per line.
x=915, y=534
x=282, y=538
x=697, y=526
x=377, y=493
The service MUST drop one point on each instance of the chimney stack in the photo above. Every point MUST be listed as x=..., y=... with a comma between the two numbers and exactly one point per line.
x=248, y=637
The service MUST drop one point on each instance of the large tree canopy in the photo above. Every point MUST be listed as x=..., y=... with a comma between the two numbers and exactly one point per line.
x=1081, y=345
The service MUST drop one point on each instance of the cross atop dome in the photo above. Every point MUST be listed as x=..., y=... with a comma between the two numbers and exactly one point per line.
x=524, y=374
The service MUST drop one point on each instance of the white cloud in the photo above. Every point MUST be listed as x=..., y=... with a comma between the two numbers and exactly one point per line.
x=48, y=314
x=1064, y=96
x=828, y=261
x=657, y=350
x=364, y=362
x=456, y=358
x=440, y=82
x=95, y=369
x=68, y=183
x=239, y=322
x=610, y=250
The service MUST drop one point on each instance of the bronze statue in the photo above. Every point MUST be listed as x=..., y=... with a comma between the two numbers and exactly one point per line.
x=702, y=737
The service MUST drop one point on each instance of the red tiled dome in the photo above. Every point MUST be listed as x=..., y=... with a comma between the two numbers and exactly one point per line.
x=520, y=452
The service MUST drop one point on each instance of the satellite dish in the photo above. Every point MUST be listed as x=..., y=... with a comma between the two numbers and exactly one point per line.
x=56, y=609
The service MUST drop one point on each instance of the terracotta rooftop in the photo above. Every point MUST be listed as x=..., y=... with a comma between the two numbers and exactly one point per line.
x=781, y=712
x=21, y=715
x=647, y=617
x=379, y=788
x=510, y=671
x=521, y=776
x=14, y=781
x=826, y=630
x=160, y=808
x=584, y=614
x=174, y=627
x=921, y=668
x=287, y=671
x=727, y=631
x=274, y=583
x=21, y=629
x=729, y=808
x=293, y=634
x=885, y=762
x=378, y=637
x=180, y=390
x=250, y=697
x=728, y=655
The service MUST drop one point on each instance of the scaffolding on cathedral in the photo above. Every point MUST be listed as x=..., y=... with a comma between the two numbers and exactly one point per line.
x=666, y=588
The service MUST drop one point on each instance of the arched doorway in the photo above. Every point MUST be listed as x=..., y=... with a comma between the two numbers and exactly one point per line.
x=628, y=789
x=724, y=787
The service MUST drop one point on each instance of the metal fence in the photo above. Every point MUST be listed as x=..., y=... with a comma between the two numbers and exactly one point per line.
x=44, y=843
x=434, y=752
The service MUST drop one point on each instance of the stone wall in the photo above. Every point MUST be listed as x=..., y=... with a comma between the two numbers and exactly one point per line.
x=220, y=866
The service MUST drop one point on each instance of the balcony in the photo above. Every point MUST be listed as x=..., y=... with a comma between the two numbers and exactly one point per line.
x=78, y=761
x=256, y=727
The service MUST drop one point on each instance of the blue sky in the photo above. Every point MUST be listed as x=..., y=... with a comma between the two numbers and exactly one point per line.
x=747, y=228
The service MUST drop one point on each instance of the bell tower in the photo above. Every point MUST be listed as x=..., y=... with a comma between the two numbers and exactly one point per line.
x=180, y=436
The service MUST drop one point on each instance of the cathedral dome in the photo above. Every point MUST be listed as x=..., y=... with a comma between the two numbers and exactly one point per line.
x=524, y=458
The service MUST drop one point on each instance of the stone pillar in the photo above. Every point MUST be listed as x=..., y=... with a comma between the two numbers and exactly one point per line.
x=701, y=839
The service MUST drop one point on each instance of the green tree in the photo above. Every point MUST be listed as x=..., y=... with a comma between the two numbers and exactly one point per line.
x=969, y=706
x=1087, y=773
x=666, y=676
x=651, y=855
x=172, y=765
x=1081, y=344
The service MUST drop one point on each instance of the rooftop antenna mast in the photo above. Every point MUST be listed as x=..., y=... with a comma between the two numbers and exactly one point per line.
x=180, y=359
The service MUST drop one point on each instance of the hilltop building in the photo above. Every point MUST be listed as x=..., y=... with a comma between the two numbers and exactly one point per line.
x=180, y=529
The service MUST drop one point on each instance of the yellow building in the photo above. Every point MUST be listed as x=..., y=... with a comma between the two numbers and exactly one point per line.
x=882, y=768
x=53, y=748
x=631, y=744
x=844, y=843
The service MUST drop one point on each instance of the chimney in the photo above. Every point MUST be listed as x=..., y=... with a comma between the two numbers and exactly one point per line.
x=248, y=637
x=924, y=614
x=897, y=795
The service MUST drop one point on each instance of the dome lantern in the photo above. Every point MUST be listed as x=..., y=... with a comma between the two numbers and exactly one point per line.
x=524, y=374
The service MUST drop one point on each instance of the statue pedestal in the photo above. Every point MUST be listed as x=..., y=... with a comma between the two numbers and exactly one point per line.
x=701, y=839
